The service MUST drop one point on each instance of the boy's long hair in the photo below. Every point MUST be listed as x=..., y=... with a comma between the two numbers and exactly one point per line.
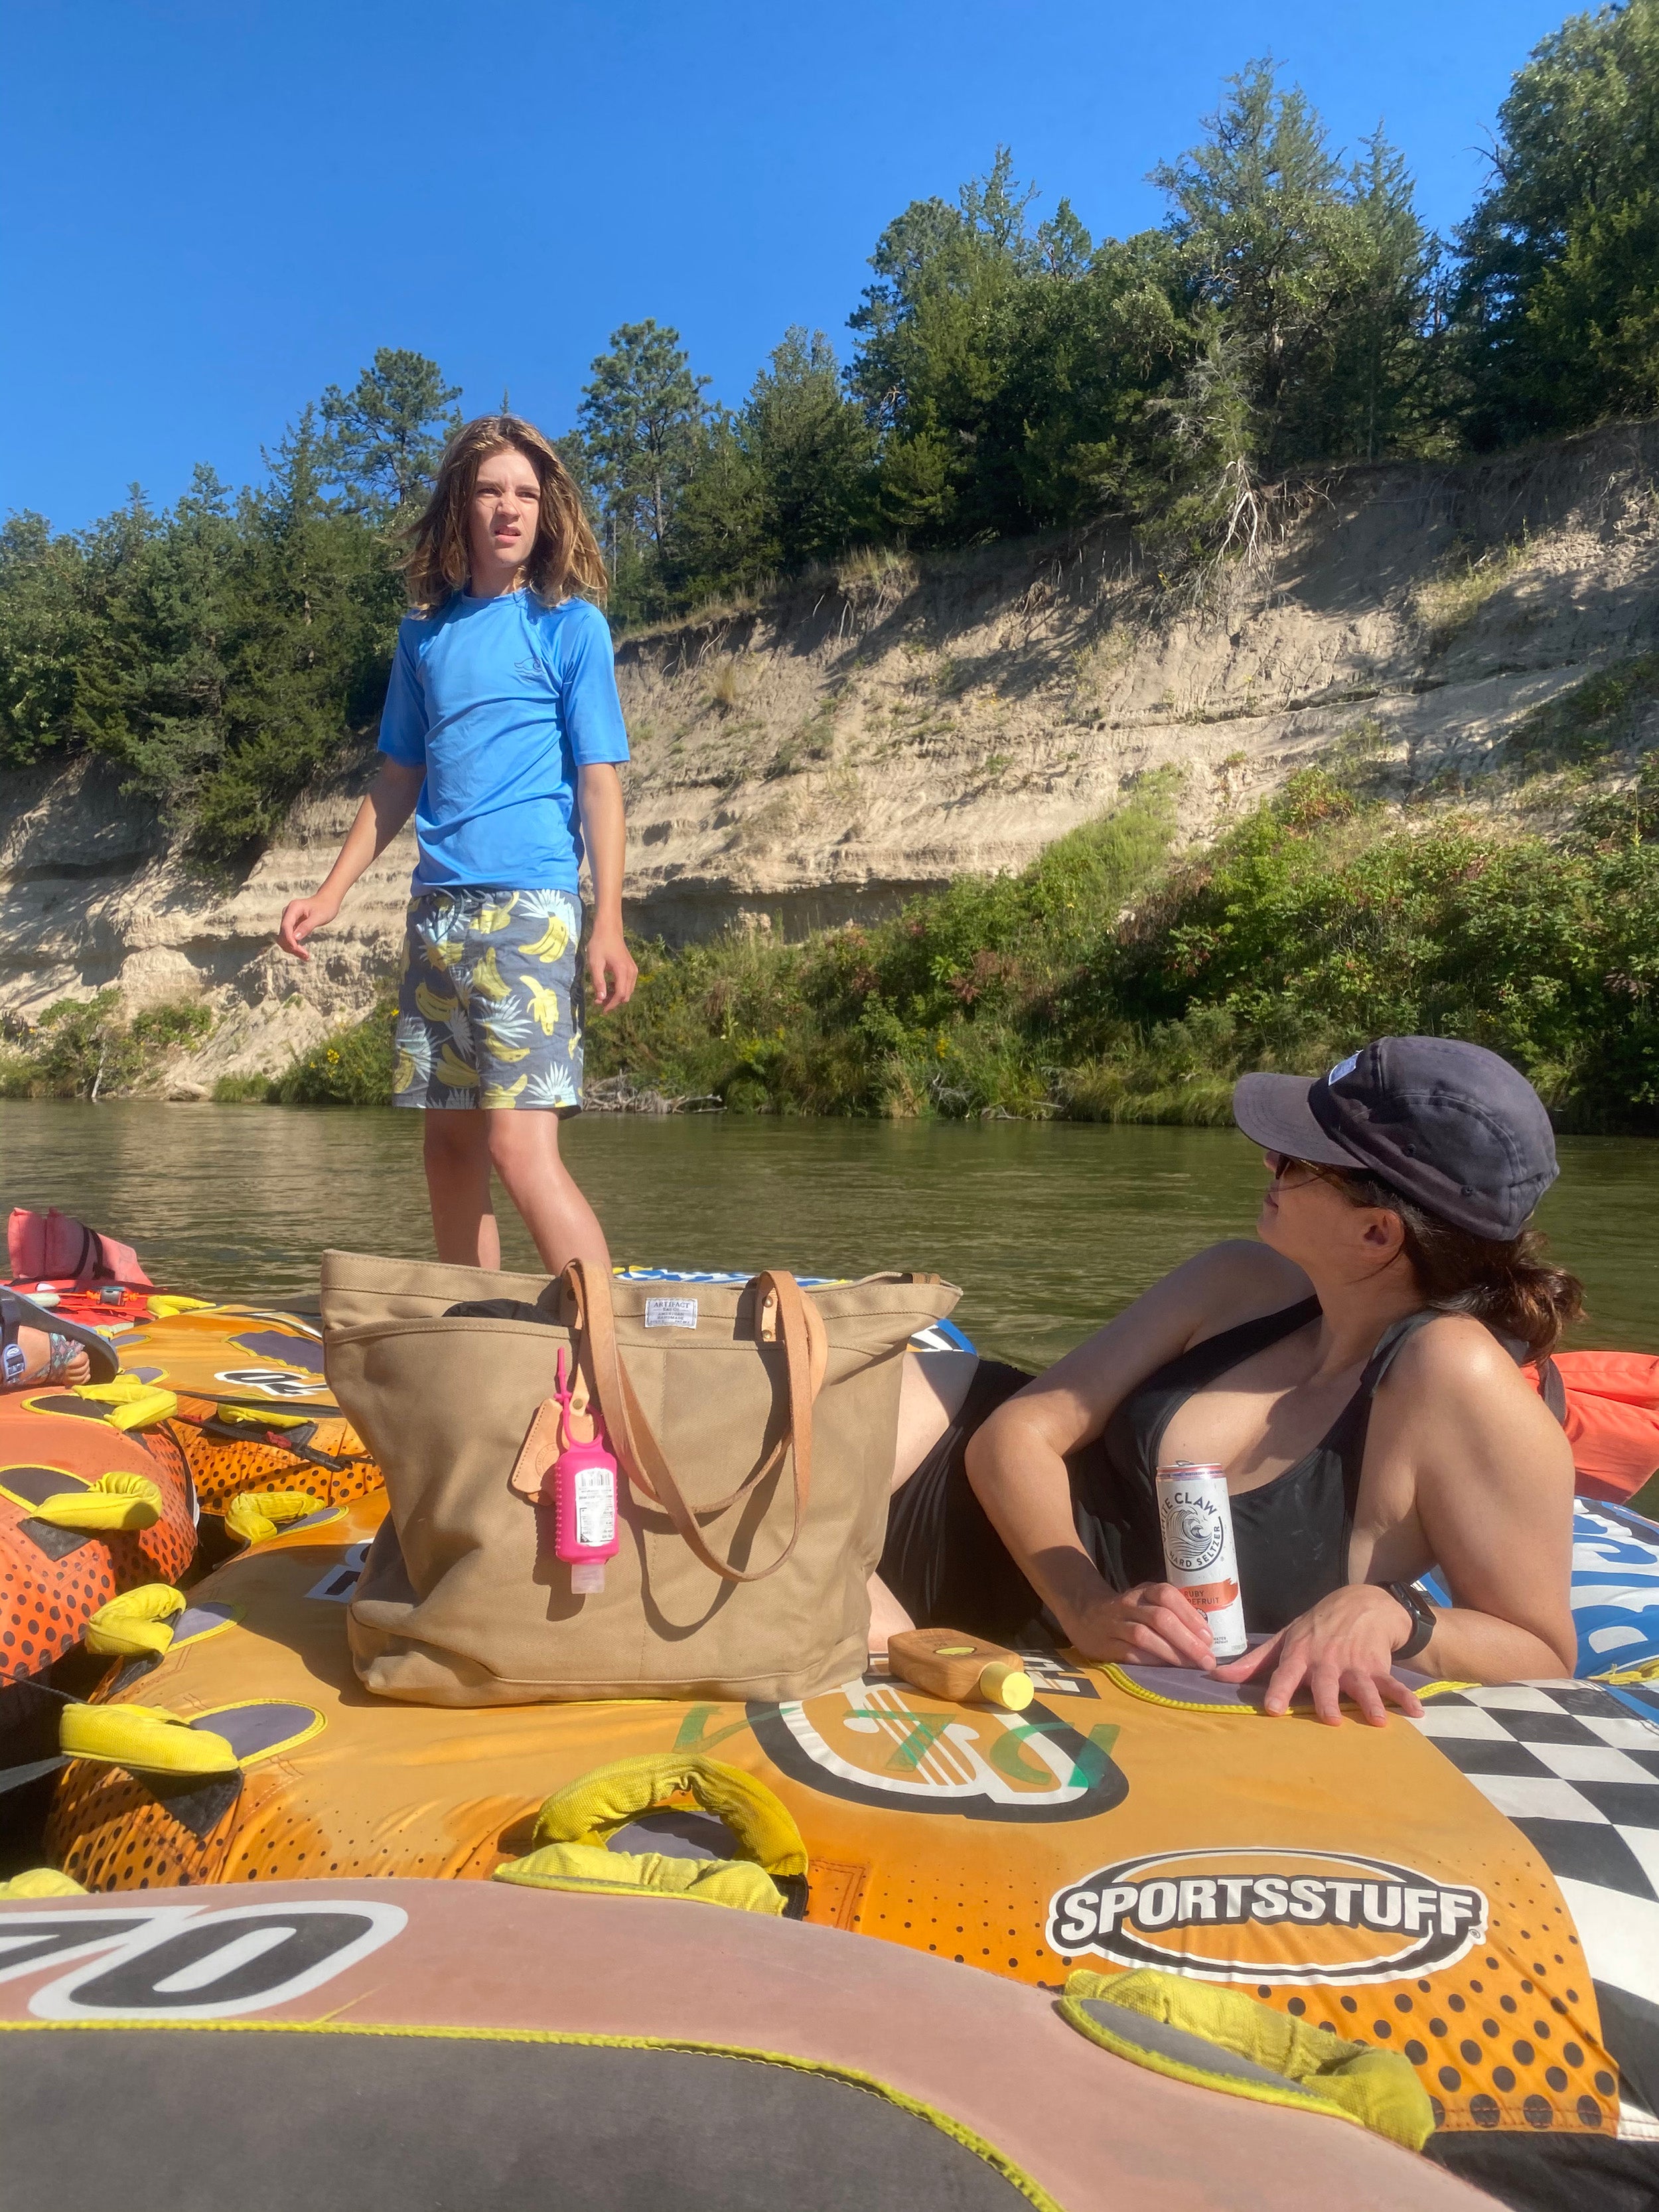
x=566, y=556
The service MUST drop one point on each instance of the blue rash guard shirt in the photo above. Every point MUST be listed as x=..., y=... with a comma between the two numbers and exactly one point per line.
x=500, y=702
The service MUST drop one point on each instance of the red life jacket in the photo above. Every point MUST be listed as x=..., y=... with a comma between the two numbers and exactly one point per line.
x=54, y=1248
x=1608, y=1404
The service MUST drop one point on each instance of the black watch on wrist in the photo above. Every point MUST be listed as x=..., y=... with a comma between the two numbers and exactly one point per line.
x=1423, y=1617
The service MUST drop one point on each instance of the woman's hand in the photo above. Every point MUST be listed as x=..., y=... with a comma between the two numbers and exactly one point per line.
x=1342, y=1647
x=1153, y=1624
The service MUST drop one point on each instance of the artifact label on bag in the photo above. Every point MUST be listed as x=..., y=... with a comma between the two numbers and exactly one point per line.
x=670, y=1313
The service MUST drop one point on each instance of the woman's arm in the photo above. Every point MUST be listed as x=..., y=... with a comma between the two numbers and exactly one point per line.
x=1466, y=1468
x=387, y=805
x=610, y=970
x=1494, y=1485
x=1016, y=1461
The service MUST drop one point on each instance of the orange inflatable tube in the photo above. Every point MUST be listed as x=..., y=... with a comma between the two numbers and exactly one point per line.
x=56, y=1572
x=1354, y=1879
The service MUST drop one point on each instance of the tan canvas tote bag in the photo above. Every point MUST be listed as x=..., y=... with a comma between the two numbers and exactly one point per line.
x=754, y=1424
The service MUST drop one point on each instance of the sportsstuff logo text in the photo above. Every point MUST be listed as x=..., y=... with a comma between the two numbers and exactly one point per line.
x=1280, y=1916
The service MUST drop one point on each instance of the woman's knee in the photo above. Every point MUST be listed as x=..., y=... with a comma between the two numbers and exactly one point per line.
x=932, y=1390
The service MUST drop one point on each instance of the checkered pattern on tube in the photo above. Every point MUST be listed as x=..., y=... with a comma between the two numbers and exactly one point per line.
x=1575, y=1766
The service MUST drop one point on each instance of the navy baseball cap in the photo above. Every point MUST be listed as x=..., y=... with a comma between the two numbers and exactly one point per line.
x=1448, y=1124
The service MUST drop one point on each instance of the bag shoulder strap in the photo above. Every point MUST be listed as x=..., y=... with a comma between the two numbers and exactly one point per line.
x=780, y=1312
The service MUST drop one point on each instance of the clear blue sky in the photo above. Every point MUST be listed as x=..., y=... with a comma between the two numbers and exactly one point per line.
x=214, y=207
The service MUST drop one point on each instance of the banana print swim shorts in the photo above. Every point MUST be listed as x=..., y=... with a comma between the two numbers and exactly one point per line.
x=489, y=1005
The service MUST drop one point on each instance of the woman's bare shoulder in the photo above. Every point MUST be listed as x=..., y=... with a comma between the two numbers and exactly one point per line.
x=1475, y=1414
x=1456, y=1348
x=1455, y=1361
x=1454, y=1375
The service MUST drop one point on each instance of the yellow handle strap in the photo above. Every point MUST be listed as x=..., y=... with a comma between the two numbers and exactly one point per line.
x=600, y=1873
x=132, y=1404
x=165, y=1307
x=258, y=1514
x=115, y=1501
x=41, y=1881
x=249, y=1417
x=1197, y=2026
x=590, y=1810
x=138, y=1622
x=142, y=1740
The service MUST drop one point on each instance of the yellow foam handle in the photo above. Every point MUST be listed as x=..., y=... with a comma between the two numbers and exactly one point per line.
x=165, y=1307
x=591, y=1809
x=1004, y=1682
x=132, y=1404
x=138, y=1622
x=115, y=1501
x=249, y=1418
x=735, y=1882
x=1376, y=2089
x=143, y=1739
x=41, y=1881
x=258, y=1514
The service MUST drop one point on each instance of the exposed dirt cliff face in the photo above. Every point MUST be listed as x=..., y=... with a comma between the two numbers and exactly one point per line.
x=865, y=736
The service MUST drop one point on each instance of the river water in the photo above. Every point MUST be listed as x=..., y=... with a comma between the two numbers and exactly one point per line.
x=1049, y=1229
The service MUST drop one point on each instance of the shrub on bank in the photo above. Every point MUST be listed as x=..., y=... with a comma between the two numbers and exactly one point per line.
x=1099, y=986
x=353, y=1067
x=89, y=1047
x=1106, y=983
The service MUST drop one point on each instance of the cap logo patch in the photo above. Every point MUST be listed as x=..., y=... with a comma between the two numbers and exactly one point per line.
x=1343, y=1067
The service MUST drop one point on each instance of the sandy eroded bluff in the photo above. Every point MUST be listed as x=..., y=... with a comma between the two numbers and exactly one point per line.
x=874, y=733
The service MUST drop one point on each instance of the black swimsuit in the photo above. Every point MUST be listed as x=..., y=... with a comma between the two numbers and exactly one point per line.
x=945, y=1563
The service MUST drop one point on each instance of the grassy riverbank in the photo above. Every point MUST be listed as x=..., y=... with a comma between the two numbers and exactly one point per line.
x=1108, y=982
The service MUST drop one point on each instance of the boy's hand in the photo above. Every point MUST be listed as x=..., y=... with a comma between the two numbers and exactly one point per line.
x=301, y=916
x=612, y=974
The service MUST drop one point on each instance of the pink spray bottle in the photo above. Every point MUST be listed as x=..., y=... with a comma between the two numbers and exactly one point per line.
x=584, y=1499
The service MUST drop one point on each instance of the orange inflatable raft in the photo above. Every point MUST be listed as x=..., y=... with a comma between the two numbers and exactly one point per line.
x=1368, y=1883
x=254, y=1410
x=85, y=1512
x=411, y=2046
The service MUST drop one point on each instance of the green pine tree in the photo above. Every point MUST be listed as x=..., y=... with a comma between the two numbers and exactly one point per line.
x=384, y=437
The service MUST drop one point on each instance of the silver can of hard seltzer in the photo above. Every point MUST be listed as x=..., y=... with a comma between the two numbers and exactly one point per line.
x=1196, y=1518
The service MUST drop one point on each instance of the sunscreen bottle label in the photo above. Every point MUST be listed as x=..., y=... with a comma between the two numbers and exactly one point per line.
x=594, y=1499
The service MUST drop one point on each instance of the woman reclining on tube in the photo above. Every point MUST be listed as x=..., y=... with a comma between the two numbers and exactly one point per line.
x=1346, y=1372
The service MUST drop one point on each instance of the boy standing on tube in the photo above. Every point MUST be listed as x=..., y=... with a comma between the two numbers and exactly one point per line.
x=502, y=734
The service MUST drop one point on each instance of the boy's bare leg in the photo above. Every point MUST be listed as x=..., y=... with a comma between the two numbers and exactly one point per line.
x=457, y=1149
x=523, y=1146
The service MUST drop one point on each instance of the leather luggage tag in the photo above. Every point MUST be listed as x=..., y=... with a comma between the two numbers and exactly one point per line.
x=544, y=1443
x=537, y=1453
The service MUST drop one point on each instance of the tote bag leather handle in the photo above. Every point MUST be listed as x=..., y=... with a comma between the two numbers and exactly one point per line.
x=780, y=1306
